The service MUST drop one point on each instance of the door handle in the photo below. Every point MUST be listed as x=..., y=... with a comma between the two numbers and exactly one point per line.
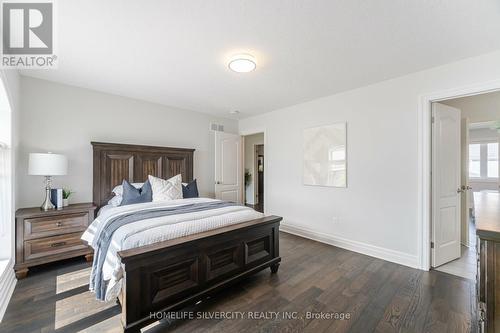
x=218, y=183
x=460, y=190
x=464, y=188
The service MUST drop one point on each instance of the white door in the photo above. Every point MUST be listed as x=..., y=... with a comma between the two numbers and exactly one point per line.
x=228, y=155
x=467, y=195
x=446, y=187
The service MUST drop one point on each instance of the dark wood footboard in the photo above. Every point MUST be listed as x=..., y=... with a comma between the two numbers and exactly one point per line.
x=169, y=275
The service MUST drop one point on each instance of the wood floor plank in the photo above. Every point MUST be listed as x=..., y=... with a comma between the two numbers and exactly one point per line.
x=313, y=278
x=393, y=317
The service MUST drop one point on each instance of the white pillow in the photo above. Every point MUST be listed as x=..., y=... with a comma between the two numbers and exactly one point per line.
x=165, y=190
x=118, y=190
x=116, y=200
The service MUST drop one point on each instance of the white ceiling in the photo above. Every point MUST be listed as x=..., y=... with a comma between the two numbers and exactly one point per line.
x=175, y=52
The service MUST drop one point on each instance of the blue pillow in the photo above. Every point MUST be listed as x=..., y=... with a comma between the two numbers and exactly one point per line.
x=132, y=195
x=190, y=190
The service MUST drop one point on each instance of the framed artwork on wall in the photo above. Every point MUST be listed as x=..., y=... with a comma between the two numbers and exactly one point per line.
x=325, y=155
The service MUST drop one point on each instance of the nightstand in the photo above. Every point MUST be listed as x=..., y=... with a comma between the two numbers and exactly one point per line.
x=47, y=236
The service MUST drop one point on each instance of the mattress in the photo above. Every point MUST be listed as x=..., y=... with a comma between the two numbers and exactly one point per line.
x=151, y=230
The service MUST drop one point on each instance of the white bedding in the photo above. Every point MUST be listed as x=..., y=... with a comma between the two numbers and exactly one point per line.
x=154, y=230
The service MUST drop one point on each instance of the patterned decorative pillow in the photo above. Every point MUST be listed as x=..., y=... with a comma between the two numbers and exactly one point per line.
x=165, y=190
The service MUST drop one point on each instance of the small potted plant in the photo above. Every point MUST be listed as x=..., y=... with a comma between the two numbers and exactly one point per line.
x=66, y=194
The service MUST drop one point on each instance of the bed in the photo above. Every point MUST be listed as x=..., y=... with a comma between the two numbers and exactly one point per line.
x=172, y=273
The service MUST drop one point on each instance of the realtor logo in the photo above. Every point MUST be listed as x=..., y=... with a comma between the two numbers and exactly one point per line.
x=28, y=35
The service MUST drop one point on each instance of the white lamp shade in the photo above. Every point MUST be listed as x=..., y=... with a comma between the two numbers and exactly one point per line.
x=47, y=164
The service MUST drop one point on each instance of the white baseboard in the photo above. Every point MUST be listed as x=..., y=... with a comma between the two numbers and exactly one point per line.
x=7, y=284
x=360, y=247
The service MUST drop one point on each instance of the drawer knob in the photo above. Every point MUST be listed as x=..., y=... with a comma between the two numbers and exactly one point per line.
x=58, y=244
x=58, y=224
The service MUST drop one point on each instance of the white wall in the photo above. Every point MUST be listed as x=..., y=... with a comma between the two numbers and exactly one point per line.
x=377, y=213
x=482, y=134
x=65, y=119
x=482, y=185
x=250, y=142
x=478, y=108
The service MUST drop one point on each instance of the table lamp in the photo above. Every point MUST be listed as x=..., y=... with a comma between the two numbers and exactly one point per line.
x=47, y=164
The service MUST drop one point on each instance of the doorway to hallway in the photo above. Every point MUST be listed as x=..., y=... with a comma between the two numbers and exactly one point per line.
x=254, y=171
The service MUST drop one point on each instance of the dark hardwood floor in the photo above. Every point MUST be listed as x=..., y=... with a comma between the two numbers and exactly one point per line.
x=378, y=295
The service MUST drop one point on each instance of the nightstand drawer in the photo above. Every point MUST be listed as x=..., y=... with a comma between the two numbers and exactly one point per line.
x=36, y=248
x=55, y=225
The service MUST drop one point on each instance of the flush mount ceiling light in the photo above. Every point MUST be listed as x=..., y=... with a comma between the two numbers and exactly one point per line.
x=242, y=63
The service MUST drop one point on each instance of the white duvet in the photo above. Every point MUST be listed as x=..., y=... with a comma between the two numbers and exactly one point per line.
x=158, y=229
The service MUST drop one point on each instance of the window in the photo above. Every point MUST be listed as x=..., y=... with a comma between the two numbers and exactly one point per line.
x=475, y=160
x=6, y=222
x=492, y=160
x=483, y=160
x=4, y=189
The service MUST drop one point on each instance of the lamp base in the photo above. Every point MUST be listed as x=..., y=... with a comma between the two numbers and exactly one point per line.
x=47, y=204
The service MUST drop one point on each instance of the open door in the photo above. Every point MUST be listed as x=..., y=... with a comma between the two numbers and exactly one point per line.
x=446, y=187
x=228, y=157
x=467, y=195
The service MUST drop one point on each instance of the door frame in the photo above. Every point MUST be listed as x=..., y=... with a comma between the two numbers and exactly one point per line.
x=424, y=140
x=256, y=198
x=251, y=132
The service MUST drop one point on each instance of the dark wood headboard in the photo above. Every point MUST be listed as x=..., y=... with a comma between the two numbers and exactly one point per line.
x=114, y=162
